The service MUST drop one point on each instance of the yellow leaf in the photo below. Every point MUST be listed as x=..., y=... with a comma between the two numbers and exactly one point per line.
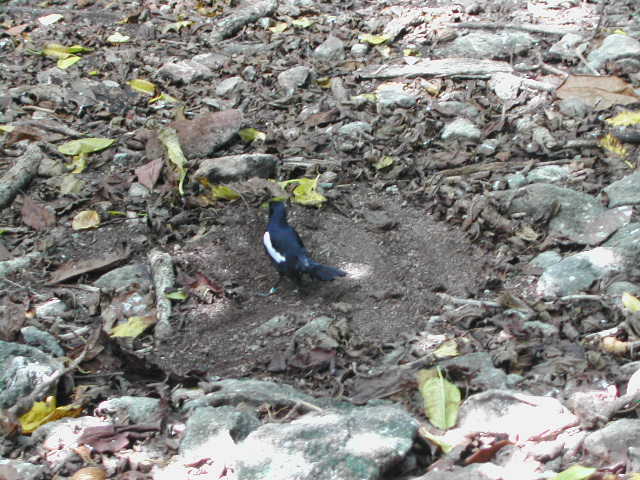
x=164, y=97
x=55, y=50
x=177, y=295
x=411, y=52
x=447, y=349
x=630, y=302
x=251, y=134
x=384, y=162
x=305, y=192
x=223, y=192
x=117, y=37
x=142, y=86
x=302, y=22
x=85, y=145
x=169, y=138
x=177, y=26
x=373, y=39
x=65, y=63
x=365, y=97
x=133, y=327
x=612, y=144
x=437, y=439
x=43, y=412
x=279, y=27
x=85, y=220
x=624, y=119
x=575, y=472
x=78, y=163
x=441, y=398
x=324, y=82
x=7, y=128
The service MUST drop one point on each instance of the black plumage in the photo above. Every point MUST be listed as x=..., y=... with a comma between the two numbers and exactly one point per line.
x=287, y=252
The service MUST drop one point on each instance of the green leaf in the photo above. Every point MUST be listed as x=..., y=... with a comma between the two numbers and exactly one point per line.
x=177, y=295
x=437, y=439
x=374, y=39
x=575, y=472
x=384, y=162
x=222, y=192
x=142, y=86
x=279, y=27
x=302, y=22
x=133, y=327
x=251, y=134
x=441, y=398
x=65, y=63
x=85, y=146
x=305, y=193
x=630, y=302
x=117, y=37
x=170, y=140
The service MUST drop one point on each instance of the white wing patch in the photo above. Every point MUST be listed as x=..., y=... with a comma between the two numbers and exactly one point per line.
x=277, y=256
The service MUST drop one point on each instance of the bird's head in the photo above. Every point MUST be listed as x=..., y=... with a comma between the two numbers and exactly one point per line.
x=278, y=210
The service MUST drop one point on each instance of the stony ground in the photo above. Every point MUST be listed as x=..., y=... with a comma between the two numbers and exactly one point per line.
x=418, y=163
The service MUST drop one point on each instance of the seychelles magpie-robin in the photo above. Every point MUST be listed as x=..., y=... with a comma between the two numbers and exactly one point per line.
x=287, y=252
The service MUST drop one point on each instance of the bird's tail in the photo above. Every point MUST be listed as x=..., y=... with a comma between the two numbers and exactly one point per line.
x=318, y=271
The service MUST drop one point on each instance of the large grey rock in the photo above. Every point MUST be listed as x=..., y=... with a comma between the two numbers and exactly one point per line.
x=578, y=272
x=207, y=422
x=23, y=368
x=237, y=167
x=356, y=443
x=332, y=49
x=581, y=219
x=294, y=78
x=625, y=191
x=614, y=47
x=130, y=409
x=461, y=129
x=185, y=72
x=484, y=45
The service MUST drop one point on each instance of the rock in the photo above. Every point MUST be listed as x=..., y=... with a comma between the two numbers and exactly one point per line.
x=394, y=95
x=548, y=174
x=131, y=410
x=22, y=369
x=237, y=167
x=17, y=469
x=453, y=108
x=229, y=85
x=248, y=392
x=483, y=45
x=137, y=190
x=332, y=49
x=578, y=272
x=614, y=47
x=566, y=47
x=52, y=308
x=359, y=50
x=356, y=130
x=294, y=78
x=354, y=443
x=213, y=61
x=251, y=12
x=506, y=85
x=486, y=375
x=581, y=219
x=42, y=340
x=574, y=107
x=185, y=72
x=461, y=129
x=123, y=278
x=201, y=136
x=625, y=191
x=60, y=439
x=380, y=220
x=488, y=147
x=546, y=259
x=609, y=446
x=207, y=422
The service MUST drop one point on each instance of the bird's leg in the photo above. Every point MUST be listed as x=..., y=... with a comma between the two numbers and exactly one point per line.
x=274, y=289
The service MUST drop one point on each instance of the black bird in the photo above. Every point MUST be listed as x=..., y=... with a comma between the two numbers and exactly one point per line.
x=287, y=252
